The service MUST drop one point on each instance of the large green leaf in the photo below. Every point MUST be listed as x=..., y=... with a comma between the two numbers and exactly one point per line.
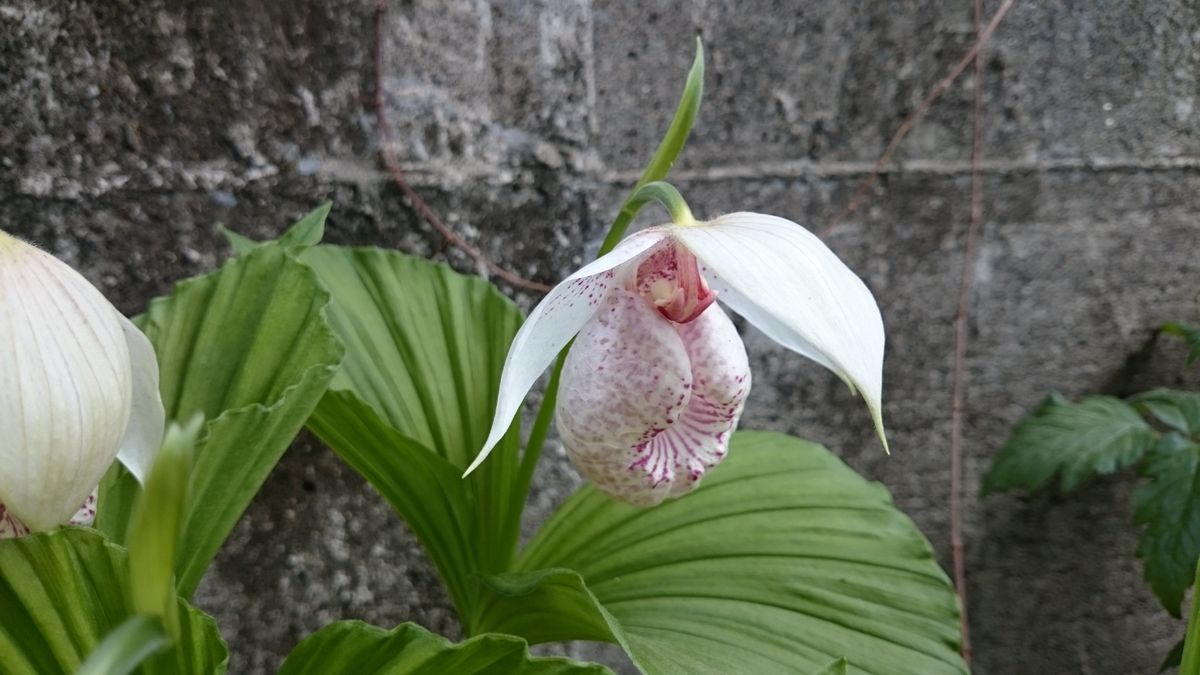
x=782, y=561
x=1169, y=508
x=61, y=592
x=362, y=649
x=424, y=350
x=424, y=344
x=249, y=347
x=1100, y=434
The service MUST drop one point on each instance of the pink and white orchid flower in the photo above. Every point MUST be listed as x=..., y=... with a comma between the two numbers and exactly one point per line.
x=78, y=388
x=654, y=384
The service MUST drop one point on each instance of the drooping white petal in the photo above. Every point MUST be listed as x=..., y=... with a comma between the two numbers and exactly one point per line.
x=552, y=324
x=64, y=386
x=147, y=418
x=788, y=283
x=627, y=379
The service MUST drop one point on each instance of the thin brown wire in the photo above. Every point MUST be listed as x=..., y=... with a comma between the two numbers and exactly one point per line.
x=397, y=174
x=915, y=116
x=957, y=549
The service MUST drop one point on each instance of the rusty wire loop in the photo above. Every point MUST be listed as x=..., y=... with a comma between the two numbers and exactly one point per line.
x=397, y=173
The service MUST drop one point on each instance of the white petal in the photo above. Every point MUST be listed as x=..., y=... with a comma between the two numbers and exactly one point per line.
x=147, y=419
x=626, y=381
x=788, y=283
x=552, y=324
x=64, y=386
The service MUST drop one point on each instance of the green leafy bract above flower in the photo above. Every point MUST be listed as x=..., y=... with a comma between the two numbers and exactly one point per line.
x=1100, y=434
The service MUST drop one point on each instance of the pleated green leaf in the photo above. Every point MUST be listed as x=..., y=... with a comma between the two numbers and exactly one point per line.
x=305, y=233
x=362, y=649
x=62, y=592
x=250, y=348
x=781, y=562
x=413, y=402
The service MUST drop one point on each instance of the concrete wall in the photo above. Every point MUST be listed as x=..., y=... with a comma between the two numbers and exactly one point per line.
x=128, y=130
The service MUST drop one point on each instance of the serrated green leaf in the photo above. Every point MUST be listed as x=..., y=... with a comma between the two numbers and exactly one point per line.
x=1190, y=334
x=62, y=592
x=249, y=348
x=1169, y=508
x=1179, y=410
x=1098, y=435
x=781, y=561
x=305, y=233
x=362, y=649
x=425, y=348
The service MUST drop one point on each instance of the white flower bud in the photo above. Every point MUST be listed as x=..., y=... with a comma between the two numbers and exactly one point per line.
x=78, y=385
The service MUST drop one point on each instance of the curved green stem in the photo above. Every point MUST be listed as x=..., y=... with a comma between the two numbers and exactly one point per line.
x=664, y=193
x=668, y=149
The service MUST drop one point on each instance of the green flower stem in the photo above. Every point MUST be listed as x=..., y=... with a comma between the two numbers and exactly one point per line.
x=126, y=647
x=664, y=193
x=1190, y=664
x=533, y=450
x=668, y=149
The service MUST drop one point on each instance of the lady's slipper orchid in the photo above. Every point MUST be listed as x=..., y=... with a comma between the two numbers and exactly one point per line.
x=78, y=388
x=654, y=384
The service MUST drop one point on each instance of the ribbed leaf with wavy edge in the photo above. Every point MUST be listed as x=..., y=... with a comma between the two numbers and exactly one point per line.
x=61, y=592
x=362, y=649
x=414, y=398
x=783, y=560
x=248, y=346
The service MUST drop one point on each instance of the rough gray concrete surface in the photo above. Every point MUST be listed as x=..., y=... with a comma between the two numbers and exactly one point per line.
x=129, y=129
